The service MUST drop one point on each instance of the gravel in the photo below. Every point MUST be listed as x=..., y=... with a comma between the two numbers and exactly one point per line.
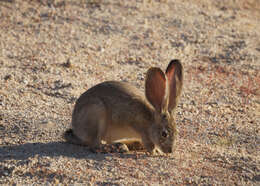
x=52, y=51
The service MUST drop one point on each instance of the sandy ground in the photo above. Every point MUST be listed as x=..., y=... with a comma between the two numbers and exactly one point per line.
x=52, y=51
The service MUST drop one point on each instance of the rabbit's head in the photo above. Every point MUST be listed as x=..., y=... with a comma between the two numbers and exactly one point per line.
x=163, y=90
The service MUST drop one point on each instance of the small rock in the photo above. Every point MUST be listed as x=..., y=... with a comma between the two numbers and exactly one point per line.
x=67, y=64
x=8, y=77
x=46, y=124
x=257, y=178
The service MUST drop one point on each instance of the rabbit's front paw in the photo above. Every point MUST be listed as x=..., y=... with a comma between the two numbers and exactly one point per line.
x=150, y=148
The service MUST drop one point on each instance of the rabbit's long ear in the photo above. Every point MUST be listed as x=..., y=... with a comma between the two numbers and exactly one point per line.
x=155, y=87
x=174, y=73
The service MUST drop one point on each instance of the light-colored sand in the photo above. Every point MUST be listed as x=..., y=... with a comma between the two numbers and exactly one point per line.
x=218, y=43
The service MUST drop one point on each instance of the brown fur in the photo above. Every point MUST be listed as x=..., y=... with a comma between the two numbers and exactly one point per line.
x=118, y=112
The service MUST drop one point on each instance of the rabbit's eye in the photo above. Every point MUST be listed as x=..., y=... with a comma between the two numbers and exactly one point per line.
x=164, y=116
x=164, y=134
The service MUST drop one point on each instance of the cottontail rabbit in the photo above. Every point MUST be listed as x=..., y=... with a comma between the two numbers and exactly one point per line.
x=115, y=111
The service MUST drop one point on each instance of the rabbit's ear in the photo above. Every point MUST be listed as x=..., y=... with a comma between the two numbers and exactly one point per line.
x=174, y=73
x=155, y=88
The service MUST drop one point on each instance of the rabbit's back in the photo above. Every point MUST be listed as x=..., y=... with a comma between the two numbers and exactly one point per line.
x=126, y=108
x=114, y=94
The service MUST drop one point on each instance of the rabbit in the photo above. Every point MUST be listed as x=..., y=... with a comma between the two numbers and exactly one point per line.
x=117, y=112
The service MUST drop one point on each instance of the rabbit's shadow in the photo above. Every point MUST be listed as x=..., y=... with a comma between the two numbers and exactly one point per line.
x=55, y=149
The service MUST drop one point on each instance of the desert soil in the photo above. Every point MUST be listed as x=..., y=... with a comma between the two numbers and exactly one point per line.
x=52, y=51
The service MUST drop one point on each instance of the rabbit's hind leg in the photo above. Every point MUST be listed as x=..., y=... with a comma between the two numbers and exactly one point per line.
x=89, y=124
